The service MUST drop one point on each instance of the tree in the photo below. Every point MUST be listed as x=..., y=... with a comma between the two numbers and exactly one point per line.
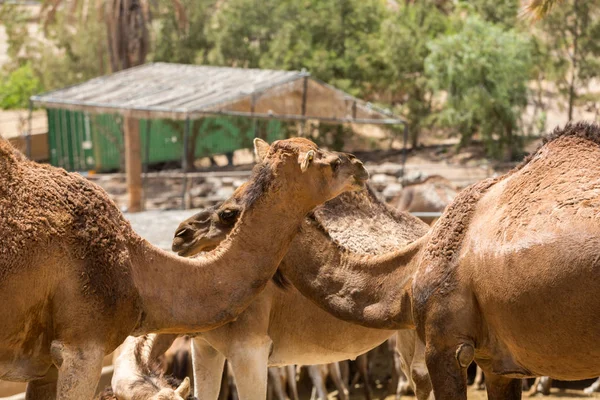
x=501, y=12
x=540, y=8
x=484, y=70
x=17, y=87
x=187, y=46
x=126, y=25
x=571, y=31
x=396, y=62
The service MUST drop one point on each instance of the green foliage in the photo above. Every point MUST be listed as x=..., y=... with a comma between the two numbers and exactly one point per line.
x=396, y=61
x=484, y=70
x=186, y=46
x=15, y=21
x=500, y=12
x=571, y=32
x=18, y=86
x=459, y=66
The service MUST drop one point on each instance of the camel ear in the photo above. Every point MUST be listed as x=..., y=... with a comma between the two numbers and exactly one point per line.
x=305, y=160
x=261, y=149
x=184, y=389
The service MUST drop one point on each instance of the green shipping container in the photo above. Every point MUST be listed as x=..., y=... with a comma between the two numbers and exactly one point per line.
x=83, y=142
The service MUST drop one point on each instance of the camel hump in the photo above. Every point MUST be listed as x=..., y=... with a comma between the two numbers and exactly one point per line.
x=360, y=222
x=581, y=130
x=42, y=203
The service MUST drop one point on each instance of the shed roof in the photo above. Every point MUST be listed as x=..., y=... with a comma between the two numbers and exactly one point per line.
x=181, y=91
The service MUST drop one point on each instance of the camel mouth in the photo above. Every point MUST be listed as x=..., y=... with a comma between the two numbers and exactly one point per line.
x=360, y=180
x=191, y=249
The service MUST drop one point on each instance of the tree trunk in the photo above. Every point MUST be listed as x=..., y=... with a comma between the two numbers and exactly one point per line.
x=574, y=61
x=127, y=34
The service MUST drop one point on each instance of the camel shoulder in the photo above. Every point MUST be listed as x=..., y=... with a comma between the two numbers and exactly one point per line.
x=440, y=255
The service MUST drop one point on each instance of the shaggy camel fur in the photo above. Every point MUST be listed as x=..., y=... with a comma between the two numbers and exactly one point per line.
x=301, y=333
x=432, y=194
x=510, y=256
x=96, y=281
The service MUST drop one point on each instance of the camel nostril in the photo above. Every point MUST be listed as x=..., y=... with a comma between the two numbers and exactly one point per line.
x=181, y=232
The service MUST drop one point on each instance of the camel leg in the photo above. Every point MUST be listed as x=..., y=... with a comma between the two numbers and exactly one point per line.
x=363, y=369
x=208, y=370
x=336, y=376
x=249, y=365
x=448, y=378
x=501, y=388
x=224, y=390
x=45, y=388
x=314, y=371
x=546, y=385
x=78, y=370
x=594, y=387
x=275, y=380
x=290, y=371
x=479, y=379
x=421, y=381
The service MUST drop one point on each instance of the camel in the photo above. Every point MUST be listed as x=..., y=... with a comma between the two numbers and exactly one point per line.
x=281, y=326
x=97, y=281
x=144, y=373
x=494, y=271
x=300, y=332
x=430, y=195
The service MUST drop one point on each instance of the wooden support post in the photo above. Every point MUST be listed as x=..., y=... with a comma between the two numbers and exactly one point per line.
x=133, y=163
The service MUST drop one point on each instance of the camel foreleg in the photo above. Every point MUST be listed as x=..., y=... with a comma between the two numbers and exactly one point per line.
x=79, y=370
x=318, y=380
x=45, y=388
x=208, y=370
x=290, y=371
x=448, y=370
x=249, y=365
x=336, y=376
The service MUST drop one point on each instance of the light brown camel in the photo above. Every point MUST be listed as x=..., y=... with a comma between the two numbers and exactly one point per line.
x=510, y=256
x=293, y=324
x=96, y=281
x=283, y=323
x=430, y=195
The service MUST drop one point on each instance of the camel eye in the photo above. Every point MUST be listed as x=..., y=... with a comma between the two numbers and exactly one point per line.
x=228, y=215
x=336, y=164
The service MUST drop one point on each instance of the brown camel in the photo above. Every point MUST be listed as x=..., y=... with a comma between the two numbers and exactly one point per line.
x=96, y=281
x=281, y=326
x=510, y=256
x=430, y=195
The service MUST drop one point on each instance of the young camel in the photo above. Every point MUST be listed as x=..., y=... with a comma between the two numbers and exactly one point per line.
x=492, y=273
x=97, y=281
x=301, y=333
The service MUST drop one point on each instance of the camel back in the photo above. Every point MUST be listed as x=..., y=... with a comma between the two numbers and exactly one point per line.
x=361, y=223
x=43, y=208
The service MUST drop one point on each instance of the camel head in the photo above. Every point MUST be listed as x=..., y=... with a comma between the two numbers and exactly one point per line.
x=205, y=230
x=311, y=175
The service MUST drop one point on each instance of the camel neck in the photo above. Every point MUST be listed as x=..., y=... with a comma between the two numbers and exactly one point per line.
x=372, y=291
x=181, y=295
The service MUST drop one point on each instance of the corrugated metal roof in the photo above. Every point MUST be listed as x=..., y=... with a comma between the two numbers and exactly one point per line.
x=164, y=90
